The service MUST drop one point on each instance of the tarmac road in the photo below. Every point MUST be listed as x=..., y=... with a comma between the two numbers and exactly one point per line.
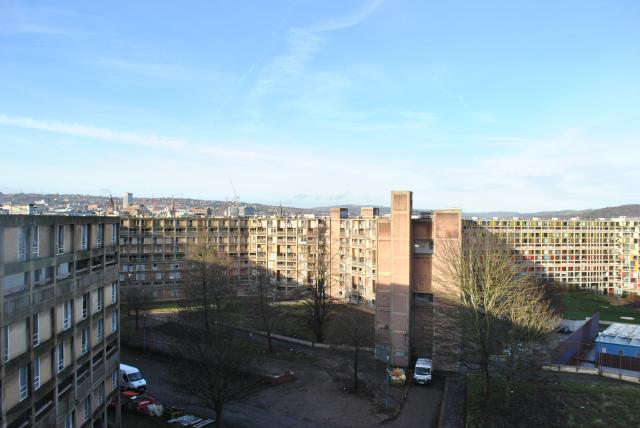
x=422, y=406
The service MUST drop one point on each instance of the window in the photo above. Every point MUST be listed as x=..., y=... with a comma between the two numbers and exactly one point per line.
x=35, y=241
x=68, y=305
x=60, y=356
x=85, y=305
x=68, y=421
x=35, y=327
x=114, y=234
x=86, y=408
x=114, y=292
x=114, y=321
x=100, y=299
x=36, y=373
x=5, y=342
x=114, y=380
x=22, y=383
x=60, y=239
x=84, y=236
x=22, y=245
x=100, y=324
x=84, y=345
x=100, y=236
x=101, y=393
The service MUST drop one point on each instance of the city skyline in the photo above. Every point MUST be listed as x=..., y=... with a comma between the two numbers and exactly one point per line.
x=487, y=108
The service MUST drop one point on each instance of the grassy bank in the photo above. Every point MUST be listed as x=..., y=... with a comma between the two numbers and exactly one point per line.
x=561, y=400
x=579, y=304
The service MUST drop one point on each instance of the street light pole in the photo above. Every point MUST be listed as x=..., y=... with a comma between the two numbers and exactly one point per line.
x=386, y=394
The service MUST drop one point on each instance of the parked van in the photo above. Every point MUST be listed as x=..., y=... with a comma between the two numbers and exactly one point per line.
x=422, y=373
x=131, y=378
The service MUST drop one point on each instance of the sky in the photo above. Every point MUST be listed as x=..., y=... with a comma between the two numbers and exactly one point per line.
x=482, y=105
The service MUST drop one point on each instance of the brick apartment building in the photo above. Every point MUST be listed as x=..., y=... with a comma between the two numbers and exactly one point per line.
x=59, y=320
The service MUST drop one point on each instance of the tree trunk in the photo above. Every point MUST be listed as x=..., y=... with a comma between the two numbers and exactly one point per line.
x=355, y=368
x=269, y=343
x=219, y=416
x=137, y=313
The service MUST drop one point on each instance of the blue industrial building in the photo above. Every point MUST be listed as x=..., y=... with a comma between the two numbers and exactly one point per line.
x=619, y=346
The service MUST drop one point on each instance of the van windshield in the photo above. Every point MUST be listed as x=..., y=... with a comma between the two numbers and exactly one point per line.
x=134, y=376
x=423, y=371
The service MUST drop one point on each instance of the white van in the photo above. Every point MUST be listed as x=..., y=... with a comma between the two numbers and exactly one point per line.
x=422, y=373
x=130, y=378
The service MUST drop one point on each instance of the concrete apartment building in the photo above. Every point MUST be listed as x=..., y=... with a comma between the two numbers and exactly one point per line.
x=59, y=320
x=154, y=249
x=387, y=263
x=599, y=255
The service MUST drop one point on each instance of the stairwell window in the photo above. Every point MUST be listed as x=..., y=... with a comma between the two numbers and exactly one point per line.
x=22, y=245
x=68, y=310
x=101, y=393
x=60, y=239
x=22, y=383
x=100, y=304
x=60, y=357
x=5, y=343
x=100, y=236
x=36, y=372
x=85, y=305
x=100, y=327
x=86, y=408
x=114, y=234
x=84, y=341
x=114, y=292
x=35, y=328
x=84, y=236
x=35, y=241
x=114, y=321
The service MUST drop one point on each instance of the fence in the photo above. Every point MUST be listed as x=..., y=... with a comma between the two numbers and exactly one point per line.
x=569, y=347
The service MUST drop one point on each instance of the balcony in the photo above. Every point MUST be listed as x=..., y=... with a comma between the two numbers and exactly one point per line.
x=423, y=247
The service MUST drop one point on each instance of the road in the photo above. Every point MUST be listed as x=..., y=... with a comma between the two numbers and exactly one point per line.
x=315, y=399
x=157, y=373
x=421, y=407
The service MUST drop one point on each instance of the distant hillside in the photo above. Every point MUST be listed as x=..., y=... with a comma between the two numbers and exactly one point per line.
x=632, y=210
x=218, y=207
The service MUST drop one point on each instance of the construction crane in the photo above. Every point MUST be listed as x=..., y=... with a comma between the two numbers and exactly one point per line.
x=236, y=198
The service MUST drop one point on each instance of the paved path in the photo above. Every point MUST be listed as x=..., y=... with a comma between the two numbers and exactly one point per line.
x=422, y=406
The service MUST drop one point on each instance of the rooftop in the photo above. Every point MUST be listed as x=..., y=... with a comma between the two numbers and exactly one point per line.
x=621, y=334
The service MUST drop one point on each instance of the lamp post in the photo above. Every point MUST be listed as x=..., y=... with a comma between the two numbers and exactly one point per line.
x=386, y=394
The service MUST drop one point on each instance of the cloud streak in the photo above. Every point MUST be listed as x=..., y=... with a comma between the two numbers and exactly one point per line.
x=91, y=132
x=302, y=45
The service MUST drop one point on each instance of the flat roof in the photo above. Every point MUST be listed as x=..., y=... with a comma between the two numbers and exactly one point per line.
x=621, y=334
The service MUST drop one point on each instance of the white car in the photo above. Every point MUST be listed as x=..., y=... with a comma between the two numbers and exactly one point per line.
x=422, y=372
x=131, y=378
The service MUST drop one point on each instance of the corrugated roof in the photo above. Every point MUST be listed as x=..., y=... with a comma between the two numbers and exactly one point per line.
x=621, y=334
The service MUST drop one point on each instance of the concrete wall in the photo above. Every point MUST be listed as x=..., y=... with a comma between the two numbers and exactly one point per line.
x=447, y=233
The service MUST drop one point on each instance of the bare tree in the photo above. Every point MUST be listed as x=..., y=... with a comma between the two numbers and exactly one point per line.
x=498, y=309
x=215, y=354
x=268, y=313
x=358, y=334
x=136, y=298
x=317, y=300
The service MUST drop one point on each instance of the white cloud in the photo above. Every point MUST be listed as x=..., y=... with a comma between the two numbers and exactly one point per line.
x=91, y=132
x=302, y=45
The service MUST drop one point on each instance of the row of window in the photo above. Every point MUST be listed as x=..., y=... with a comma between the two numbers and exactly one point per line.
x=59, y=239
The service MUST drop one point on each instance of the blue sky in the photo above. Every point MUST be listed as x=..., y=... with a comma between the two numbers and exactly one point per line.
x=492, y=105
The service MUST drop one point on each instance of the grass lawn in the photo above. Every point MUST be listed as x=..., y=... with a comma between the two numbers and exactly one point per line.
x=580, y=304
x=292, y=322
x=564, y=401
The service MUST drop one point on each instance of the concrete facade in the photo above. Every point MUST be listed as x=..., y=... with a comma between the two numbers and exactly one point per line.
x=59, y=320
